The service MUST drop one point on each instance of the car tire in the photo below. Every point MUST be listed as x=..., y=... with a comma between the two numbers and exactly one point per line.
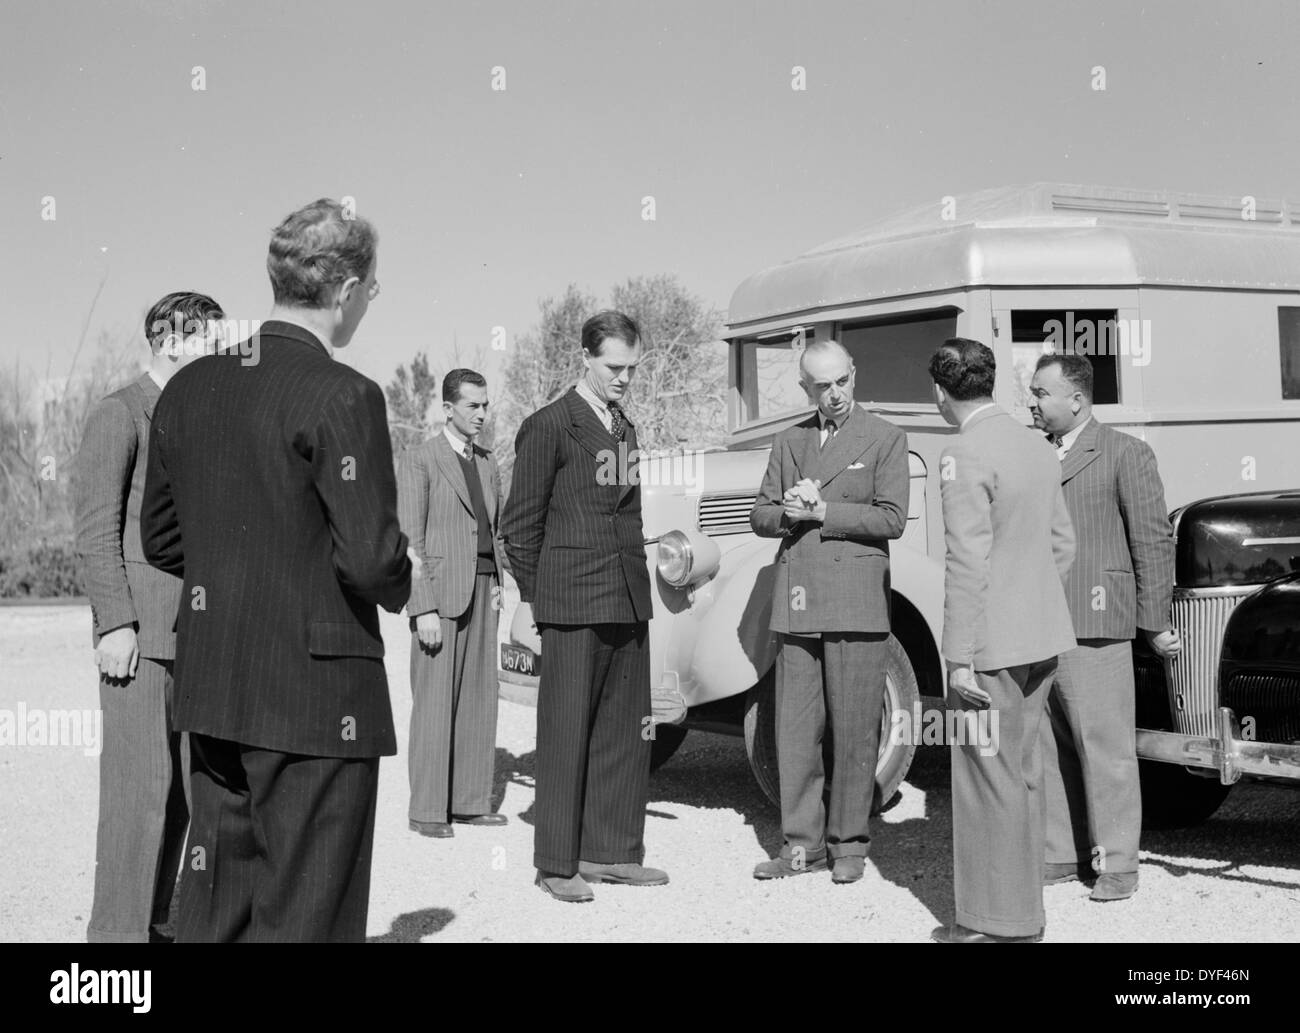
x=664, y=744
x=1174, y=798
x=894, y=759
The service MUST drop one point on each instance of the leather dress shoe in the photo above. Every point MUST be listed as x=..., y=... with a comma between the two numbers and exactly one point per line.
x=625, y=874
x=848, y=869
x=960, y=934
x=435, y=829
x=784, y=867
x=1054, y=874
x=569, y=888
x=1114, y=886
x=479, y=819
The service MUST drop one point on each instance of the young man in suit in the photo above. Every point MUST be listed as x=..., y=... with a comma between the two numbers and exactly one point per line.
x=448, y=503
x=573, y=534
x=1122, y=580
x=1005, y=620
x=142, y=803
x=271, y=492
x=835, y=491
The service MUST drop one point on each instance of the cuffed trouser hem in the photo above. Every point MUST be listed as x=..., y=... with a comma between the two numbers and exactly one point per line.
x=103, y=936
x=848, y=850
x=437, y=819
x=999, y=927
x=1084, y=864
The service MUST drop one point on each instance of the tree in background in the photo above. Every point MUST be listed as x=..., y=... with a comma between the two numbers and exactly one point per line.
x=677, y=398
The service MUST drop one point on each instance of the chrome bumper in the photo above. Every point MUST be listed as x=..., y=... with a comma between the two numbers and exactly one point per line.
x=1225, y=753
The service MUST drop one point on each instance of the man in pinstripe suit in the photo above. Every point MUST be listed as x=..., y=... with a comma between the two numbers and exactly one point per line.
x=448, y=493
x=271, y=492
x=142, y=805
x=577, y=551
x=1122, y=580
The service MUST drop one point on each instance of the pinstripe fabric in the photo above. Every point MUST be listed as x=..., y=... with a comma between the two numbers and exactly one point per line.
x=1124, y=541
x=142, y=809
x=574, y=537
x=1122, y=579
x=842, y=565
x=572, y=530
x=454, y=713
x=1009, y=546
x=593, y=756
x=109, y=486
x=294, y=837
x=271, y=491
x=434, y=509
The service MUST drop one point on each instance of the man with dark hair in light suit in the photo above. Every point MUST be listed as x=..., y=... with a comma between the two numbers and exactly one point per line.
x=1005, y=620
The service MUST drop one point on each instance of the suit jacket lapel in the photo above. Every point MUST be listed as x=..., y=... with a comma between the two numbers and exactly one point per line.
x=149, y=395
x=483, y=463
x=629, y=462
x=585, y=425
x=808, y=449
x=1083, y=452
x=847, y=445
x=449, y=464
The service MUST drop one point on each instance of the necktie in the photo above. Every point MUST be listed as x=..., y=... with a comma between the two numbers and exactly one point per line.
x=617, y=421
x=830, y=433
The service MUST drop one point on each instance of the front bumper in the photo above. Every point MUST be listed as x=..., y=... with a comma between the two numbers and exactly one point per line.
x=1225, y=753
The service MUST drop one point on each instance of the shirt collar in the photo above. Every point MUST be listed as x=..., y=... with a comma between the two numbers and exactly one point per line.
x=154, y=377
x=1070, y=437
x=971, y=415
x=461, y=448
x=589, y=396
x=839, y=424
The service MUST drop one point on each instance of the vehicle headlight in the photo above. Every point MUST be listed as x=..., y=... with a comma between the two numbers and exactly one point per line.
x=686, y=557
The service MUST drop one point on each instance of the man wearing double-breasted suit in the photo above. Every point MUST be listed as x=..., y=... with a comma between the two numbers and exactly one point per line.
x=448, y=501
x=1122, y=580
x=835, y=491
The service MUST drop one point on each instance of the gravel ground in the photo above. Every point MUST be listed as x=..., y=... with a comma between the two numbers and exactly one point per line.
x=1235, y=878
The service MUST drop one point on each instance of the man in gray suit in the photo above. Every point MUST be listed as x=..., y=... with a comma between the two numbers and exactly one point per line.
x=448, y=503
x=835, y=491
x=1122, y=580
x=1009, y=544
x=142, y=769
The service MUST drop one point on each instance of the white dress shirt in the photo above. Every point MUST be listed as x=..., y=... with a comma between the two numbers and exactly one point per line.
x=599, y=405
x=458, y=445
x=1068, y=439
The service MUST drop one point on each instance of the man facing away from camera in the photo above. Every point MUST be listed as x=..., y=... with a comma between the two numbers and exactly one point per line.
x=271, y=492
x=1005, y=620
x=577, y=551
x=1122, y=579
x=448, y=502
x=835, y=492
x=142, y=768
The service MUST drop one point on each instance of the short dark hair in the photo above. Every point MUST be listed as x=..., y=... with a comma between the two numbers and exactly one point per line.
x=452, y=382
x=964, y=369
x=182, y=312
x=608, y=324
x=316, y=247
x=1075, y=369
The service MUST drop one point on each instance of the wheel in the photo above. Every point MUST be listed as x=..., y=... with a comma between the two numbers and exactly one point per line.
x=664, y=744
x=893, y=760
x=1174, y=798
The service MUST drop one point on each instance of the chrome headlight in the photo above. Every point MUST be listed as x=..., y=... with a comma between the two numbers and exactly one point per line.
x=687, y=556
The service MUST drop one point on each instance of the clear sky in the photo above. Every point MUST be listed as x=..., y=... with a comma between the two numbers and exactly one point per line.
x=486, y=200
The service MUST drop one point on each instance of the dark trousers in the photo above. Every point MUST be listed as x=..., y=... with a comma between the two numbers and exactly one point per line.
x=454, y=713
x=593, y=746
x=142, y=809
x=998, y=815
x=279, y=847
x=840, y=675
x=1090, y=767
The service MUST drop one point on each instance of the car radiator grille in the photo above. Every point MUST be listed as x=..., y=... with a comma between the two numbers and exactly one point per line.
x=1271, y=699
x=725, y=512
x=1200, y=615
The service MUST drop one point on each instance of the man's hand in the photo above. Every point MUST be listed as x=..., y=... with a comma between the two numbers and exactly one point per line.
x=1166, y=644
x=962, y=681
x=118, y=653
x=417, y=564
x=428, y=627
x=804, y=502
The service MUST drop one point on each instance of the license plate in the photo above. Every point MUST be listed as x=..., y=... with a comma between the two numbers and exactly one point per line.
x=520, y=660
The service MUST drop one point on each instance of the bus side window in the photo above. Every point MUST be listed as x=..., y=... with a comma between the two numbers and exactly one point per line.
x=1091, y=332
x=1288, y=334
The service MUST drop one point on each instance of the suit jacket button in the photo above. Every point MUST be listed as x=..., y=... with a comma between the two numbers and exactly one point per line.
x=837, y=559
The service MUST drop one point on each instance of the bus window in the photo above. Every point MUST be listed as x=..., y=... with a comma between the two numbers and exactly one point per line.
x=1288, y=333
x=892, y=356
x=769, y=374
x=1090, y=332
